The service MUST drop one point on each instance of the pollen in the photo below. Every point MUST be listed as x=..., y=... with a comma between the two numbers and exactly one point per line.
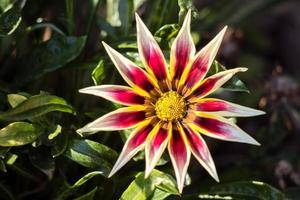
x=170, y=107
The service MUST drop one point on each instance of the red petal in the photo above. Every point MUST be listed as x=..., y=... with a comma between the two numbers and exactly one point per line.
x=180, y=156
x=220, y=128
x=224, y=108
x=120, y=119
x=150, y=53
x=131, y=73
x=182, y=50
x=200, y=151
x=119, y=94
x=155, y=146
x=133, y=145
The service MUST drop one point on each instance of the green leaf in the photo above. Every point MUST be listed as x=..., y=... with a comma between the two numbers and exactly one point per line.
x=18, y=133
x=184, y=6
x=246, y=190
x=50, y=56
x=91, y=154
x=142, y=188
x=2, y=166
x=9, y=21
x=36, y=106
x=55, y=133
x=10, y=158
x=73, y=188
x=4, y=4
x=126, y=10
x=112, y=15
x=15, y=99
x=88, y=196
x=234, y=84
x=98, y=73
x=60, y=145
x=168, y=31
x=4, y=151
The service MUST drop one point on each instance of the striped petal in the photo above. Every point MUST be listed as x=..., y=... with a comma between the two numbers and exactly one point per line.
x=200, y=150
x=180, y=156
x=212, y=83
x=220, y=128
x=150, y=52
x=194, y=74
x=115, y=93
x=156, y=145
x=122, y=118
x=133, y=145
x=131, y=73
x=182, y=50
x=224, y=108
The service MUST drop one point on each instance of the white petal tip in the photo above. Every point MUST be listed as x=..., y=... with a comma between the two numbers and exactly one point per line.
x=243, y=69
x=252, y=141
x=111, y=173
x=137, y=18
x=147, y=173
x=83, y=90
x=180, y=189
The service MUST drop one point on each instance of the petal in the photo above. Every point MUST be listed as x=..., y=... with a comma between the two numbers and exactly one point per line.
x=200, y=150
x=151, y=54
x=133, y=145
x=224, y=108
x=156, y=145
x=182, y=50
x=131, y=73
x=212, y=83
x=219, y=128
x=115, y=93
x=194, y=74
x=180, y=156
x=122, y=118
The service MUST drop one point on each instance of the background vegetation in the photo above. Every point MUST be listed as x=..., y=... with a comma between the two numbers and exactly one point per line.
x=50, y=49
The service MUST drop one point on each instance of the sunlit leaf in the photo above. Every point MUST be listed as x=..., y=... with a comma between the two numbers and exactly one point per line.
x=142, y=188
x=36, y=106
x=11, y=158
x=73, y=188
x=91, y=154
x=98, y=73
x=234, y=84
x=248, y=190
x=15, y=99
x=18, y=133
x=60, y=145
x=9, y=21
x=55, y=133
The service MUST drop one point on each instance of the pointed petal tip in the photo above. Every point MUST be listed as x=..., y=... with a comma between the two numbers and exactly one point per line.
x=80, y=132
x=137, y=18
x=147, y=173
x=112, y=172
x=243, y=69
x=216, y=177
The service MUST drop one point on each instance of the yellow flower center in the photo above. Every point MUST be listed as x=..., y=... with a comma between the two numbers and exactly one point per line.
x=170, y=106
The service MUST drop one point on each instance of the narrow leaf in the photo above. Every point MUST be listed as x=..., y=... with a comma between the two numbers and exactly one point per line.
x=18, y=133
x=36, y=106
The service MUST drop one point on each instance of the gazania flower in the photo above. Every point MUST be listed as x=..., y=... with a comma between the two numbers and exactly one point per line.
x=167, y=104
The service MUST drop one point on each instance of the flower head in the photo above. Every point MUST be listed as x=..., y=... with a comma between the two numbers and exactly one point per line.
x=167, y=104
